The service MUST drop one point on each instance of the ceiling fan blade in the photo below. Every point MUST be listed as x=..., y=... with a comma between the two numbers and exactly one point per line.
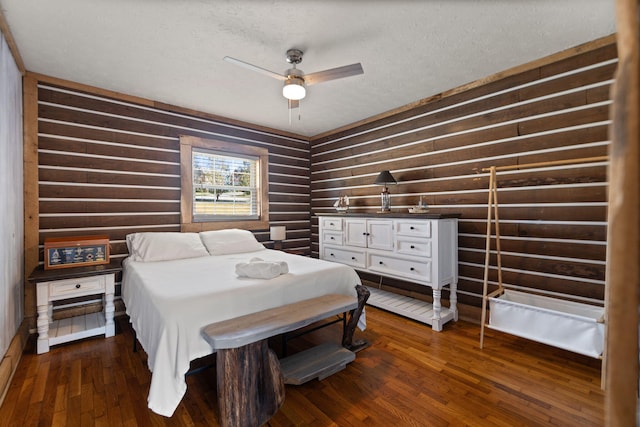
x=333, y=74
x=254, y=68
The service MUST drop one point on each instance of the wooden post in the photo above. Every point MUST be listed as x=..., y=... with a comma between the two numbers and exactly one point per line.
x=497, y=227
x=250, y=385
x=31, y=193
x=487, y=255
x=623, y=247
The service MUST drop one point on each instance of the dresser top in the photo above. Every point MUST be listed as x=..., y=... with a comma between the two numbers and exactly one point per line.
x=391, y=215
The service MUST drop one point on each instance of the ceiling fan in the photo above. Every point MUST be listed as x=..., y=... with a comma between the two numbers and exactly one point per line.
x=295, y=80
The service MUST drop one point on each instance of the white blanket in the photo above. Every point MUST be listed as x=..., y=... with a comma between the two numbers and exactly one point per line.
x=169, y=302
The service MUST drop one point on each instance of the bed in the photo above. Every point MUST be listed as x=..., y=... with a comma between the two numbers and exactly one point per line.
x=176, y=283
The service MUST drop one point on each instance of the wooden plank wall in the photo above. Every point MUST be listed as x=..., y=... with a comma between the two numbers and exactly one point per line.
x=111, y=165
x=553, y=219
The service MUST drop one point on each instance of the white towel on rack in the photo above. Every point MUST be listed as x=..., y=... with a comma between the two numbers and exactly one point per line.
x=257, y=268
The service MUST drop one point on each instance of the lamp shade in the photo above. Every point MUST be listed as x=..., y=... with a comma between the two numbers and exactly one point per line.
x=278, y=232
x=385, y=178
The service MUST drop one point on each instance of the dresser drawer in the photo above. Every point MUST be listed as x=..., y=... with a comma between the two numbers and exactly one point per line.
x=417, y=247
x=331, y=223
x=417, y=270
x=332, y=238
x=76, y=287
x=414, y=228
x=352, y=258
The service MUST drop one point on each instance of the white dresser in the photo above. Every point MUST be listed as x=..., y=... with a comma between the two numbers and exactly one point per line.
x=418, y=248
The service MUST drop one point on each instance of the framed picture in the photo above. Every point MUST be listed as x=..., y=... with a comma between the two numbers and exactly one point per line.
x=65, y=252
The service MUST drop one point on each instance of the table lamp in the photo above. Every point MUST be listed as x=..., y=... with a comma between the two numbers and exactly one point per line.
x=278, y=233
x=385, y=178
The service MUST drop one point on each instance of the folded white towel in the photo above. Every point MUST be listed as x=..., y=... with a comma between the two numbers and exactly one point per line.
x=284, y=267
x=257, y=268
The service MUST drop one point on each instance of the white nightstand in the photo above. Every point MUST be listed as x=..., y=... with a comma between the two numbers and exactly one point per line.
x=62, y=284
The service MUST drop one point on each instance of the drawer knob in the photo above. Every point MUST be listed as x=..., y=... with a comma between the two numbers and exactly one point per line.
x=412, y=269
x=381, y=262
x=78, y=286
x=331, y=223
x=412, y=228
x=413, y=247
x=332, y=254
x=353, y=258
x=332, y=238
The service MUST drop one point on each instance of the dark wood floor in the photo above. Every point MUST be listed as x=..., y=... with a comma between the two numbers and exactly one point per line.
x=410, y=376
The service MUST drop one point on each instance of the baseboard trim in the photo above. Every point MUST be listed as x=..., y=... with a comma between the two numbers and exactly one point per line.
x=11, y=359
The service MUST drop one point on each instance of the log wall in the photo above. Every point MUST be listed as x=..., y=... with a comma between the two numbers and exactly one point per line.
x=110, y=164
x=113, y=167
x=553, y=219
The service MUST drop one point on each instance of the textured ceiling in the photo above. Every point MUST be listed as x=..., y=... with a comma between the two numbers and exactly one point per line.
x=171, y=51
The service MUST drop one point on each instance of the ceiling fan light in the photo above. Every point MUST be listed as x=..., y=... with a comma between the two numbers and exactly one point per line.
x=294, y=89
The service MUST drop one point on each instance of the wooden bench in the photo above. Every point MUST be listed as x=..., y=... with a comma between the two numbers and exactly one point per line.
x=250, y=381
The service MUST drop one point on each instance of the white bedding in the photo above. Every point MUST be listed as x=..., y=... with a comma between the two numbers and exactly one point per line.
x=169, y=302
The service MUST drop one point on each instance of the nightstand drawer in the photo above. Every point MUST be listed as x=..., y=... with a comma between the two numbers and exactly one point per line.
x=76, y=287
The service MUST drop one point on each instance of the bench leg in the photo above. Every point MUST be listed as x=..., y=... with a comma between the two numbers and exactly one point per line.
x=250, y=385
x=352, y=323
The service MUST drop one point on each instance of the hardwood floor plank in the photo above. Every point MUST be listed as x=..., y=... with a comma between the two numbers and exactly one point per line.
x=32, y=415
x=21, y=407
x=297, y=412
x=124, y=400
x=74, y=405
x=7, y=408
x=86, y=401
x=399, y=404
x=75, y=378
x=40, y=383
x=114, y=415
x=59, y=419
x=349, y=392
x=409, y=376
x=100, y=405
x=49, y=395
x=61, y=398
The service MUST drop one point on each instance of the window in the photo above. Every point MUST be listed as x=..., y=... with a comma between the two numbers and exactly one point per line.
x=224, y=185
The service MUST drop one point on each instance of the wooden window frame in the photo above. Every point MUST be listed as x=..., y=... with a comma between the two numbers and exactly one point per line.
x=187, y=143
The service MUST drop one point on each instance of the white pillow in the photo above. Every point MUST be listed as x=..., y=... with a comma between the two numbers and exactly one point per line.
x=231, y=241
x=164, y=246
